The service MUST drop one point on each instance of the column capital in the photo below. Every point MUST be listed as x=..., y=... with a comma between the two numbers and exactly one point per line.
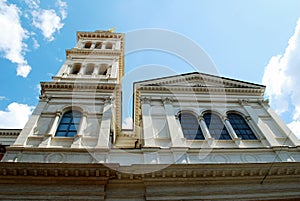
x=243, y=102
x=200, y=118
x=109, y=99
x=248, y=118
x=167, y=100
x=263, y=102
x=45, y=97
x=145, y=100
x=225, y=118
x=58, y=113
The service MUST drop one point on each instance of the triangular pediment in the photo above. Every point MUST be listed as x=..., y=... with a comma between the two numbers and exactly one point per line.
x=199, y=80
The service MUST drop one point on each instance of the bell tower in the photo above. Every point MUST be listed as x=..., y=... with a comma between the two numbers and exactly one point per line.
x=81, y=106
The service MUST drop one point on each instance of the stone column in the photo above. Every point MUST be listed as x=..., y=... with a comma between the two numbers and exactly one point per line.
x=47, y=137
x=80, y=132
x=231, y=131
x=148, y=132
x=96, y=70
x=261, y=125
x=174, y=129
x=205, y=131
x=82, y=69
x=93, y=46
x=105, y=126
x=204, y=128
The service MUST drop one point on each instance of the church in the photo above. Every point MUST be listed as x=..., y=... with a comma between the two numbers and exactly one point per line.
x=195, y=137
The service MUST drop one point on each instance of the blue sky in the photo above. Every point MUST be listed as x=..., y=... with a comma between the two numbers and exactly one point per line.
x=244, y=38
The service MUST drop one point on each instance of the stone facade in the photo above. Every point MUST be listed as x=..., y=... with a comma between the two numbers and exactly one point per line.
x=174, y=151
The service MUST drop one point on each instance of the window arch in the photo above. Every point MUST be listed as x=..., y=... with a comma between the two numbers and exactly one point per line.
x=75, y=69
x=216, y=127
x=98, y=45
x=241, y=127
x=108, y=45
x=190, y=127
x=88, y=45
x=103, y=69
x=69, y=124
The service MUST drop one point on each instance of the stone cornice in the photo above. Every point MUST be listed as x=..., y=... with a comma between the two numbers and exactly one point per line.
x=255, y=91
x=10, y=132
x=75, y=51
x=200, y=79
x=153, y=172
x=98, y=34
x=76, y=85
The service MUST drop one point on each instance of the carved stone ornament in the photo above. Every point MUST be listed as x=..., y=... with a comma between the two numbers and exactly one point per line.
x=263, y=102
x=44, y=97
x=109, y=99
x=243, y=101
x=167, y=100
x=145, y=100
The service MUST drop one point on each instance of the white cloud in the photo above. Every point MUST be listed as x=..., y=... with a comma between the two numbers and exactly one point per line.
x=62, y=8
x=2, y=97
x=281, y=77
x=294, y=126
x=36, y=44
x=15, y=116
x=23, y=70
x=47, y=21
x=12, y=36
x=127, y=123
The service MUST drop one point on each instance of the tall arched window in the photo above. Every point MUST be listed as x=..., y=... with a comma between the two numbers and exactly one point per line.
x=190, y=127
x=216, y=127
x=69, y=124
x=240, y=127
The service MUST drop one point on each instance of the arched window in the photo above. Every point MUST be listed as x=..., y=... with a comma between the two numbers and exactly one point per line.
x=75, y=69
x=98, y=45
x=190, y=127
x=103, y=69
x=88, y=45
x=108, y=45
x=240, y=127
x=216, y=127
x=69, y=124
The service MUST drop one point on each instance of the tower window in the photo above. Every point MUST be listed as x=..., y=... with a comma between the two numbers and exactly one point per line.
x=190, y=127
x=240, y=127
x=108, y=45
x=98, y=45
x=89, y=69
x=69, y=124
x=216, y=127
x=76, y=68
x=103, y=69
x=88, y=45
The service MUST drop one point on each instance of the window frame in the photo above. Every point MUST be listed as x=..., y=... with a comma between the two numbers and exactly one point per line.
x=245, y=127
x=194, y=135
x=215, y=129
x=67, y=127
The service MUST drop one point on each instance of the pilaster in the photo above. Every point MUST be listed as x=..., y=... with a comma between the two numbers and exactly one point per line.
x=105, y=127
x=148, y=131
x=174, y=129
